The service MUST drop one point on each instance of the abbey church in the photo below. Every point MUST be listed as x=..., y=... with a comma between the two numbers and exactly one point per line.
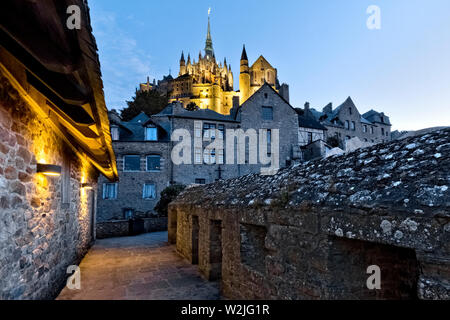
x=210, y=84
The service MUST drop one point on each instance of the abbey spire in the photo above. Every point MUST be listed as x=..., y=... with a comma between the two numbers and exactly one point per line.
x=209, y=51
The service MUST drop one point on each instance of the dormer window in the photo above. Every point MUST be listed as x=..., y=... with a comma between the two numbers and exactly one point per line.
x=151, y=134
x=114, y=133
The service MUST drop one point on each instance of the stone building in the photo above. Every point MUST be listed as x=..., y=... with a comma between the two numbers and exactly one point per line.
x=54, y=143
x=144, y=141
x=142, y=151
x=345, y=122
x=210, y=84
x=320, y=230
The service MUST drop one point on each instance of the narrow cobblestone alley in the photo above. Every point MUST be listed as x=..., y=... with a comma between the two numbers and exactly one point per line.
x=142, y=267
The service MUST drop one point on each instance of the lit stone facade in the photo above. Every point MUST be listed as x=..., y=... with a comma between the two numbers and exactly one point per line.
x=41, y=233
x=131, y=141
x=210, y=84
x=49, y=161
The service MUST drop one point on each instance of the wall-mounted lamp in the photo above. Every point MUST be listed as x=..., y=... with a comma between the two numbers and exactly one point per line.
x=86, y=186
x=49, y=169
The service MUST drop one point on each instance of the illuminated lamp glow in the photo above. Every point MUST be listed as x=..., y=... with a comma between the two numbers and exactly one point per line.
x=86, y=186
x=49, y=169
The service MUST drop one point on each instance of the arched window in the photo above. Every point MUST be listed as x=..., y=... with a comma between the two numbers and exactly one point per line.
x=269, y=77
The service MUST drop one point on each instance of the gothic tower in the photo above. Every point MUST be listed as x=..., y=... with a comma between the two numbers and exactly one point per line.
x=244, y=77
x=209, y=51
x=182, y=65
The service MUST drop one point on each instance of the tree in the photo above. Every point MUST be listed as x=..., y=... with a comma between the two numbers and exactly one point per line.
x=150, y=102
x=192, y=106
x=167, y=196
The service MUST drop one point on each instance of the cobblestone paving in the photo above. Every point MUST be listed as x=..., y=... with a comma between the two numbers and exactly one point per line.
x=143, y=267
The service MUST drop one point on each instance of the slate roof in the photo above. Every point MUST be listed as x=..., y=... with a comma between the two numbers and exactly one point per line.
x=383, y=185
x=201, y=114
x=134, y=130
x=364, y=120
x=140, y=118
x=305, y=121
x=371, y=118
x=375, y=117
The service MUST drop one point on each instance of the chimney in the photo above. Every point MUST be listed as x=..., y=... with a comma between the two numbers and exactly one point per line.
x=306, y=106
x=235, y=102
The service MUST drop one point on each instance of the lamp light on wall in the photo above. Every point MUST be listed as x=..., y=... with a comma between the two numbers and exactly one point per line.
x=49, y=169
x=86, y=186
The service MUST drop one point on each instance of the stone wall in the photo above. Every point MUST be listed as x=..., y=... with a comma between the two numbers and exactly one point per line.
x=40, y=233
x=120, y=228
x=311, y=231
x=285, y=119
x=186, y=174
x=130, y=186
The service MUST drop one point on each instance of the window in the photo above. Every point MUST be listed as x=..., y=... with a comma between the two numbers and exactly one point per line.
x=149, y=191
x=206, y=156
x=265, y=95
x=310, y=137
x=151, y=134
x=198, y=129
x=212, y=131
x=267, y=113
x=209, y=131
x=220, y=156
x=382, y=131
x=128, y=214
x=198, y=155
x=365, y=128
x=131, y=163
x=382, y=119
x=221, y=129
x=212, y=157
x=350, y=110
x=347, y=124
x=372, y=130
x=206, y=130
x=110, y=191
x=153, y=163
x=115, y=133
x=269, y=142
x=353, y=126
x=200, y=181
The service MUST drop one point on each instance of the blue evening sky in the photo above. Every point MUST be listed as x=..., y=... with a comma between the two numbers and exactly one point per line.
x=321, y=48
